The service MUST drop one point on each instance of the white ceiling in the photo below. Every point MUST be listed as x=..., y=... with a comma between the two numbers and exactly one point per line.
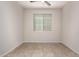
x=42, y=4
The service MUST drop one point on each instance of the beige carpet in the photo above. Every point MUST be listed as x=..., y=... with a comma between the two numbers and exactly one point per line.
x=42, y=50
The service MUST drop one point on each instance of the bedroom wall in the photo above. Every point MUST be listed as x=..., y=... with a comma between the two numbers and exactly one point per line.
x=11, y=26
x=42, y=36
x=70, y=26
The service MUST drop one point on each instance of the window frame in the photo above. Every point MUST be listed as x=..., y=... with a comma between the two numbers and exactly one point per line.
x=34, y=29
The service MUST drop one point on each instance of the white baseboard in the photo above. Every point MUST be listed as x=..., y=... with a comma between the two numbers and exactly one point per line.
x=10, y=50
x=41, y=41
x=70, y=48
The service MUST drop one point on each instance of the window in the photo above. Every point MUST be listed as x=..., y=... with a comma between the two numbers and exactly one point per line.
x=42, y=22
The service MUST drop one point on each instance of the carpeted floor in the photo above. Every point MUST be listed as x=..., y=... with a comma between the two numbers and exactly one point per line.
x=42, y=50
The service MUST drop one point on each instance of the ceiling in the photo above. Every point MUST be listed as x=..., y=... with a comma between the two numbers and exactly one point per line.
x=42, y=4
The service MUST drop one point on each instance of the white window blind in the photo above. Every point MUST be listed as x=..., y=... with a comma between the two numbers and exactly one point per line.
x=42, y=22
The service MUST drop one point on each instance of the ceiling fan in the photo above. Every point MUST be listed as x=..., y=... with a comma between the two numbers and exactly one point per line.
x=44, y=2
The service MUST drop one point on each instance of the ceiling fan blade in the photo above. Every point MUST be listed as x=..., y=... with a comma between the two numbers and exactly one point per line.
x=47, y=3
x=32, y=1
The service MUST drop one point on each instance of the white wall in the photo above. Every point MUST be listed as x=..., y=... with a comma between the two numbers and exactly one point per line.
x=42, y=36
x=70, y=33
x=11, y=26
